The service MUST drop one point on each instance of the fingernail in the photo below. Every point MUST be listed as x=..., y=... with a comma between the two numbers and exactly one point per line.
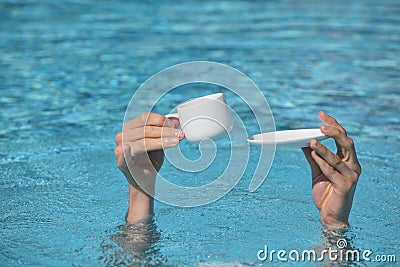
x=170, y=140
x=181, y=134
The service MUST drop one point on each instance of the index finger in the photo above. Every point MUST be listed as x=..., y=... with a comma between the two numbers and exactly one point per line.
x=333, y=129
x=146, y=118
x=344, y=144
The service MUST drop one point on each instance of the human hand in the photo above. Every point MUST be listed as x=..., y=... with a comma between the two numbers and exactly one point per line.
x=334, y=176
x=139, y=153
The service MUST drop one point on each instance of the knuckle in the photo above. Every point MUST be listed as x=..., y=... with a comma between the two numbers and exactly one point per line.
x=337, y=162
x=144, y=145
x=350, y=142
x=167, y=132
x=342, y=130
x=143, y=117
x=331, y=172
x=148, y=130
x=358, y=169
x=118, y=138
x=139, y=145
x=116, y=152
x=341, y=134
x=335, y=120
x=324, y=150
x=354, y=177
x=158, y=119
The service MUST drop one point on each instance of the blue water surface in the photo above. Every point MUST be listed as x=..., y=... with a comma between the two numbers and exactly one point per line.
x=68, y=70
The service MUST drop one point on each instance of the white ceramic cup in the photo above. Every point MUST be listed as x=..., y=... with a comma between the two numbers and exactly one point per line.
x=204, y=117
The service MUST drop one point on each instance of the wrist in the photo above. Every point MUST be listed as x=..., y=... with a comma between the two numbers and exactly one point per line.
x=140, y=205
x=333, y=223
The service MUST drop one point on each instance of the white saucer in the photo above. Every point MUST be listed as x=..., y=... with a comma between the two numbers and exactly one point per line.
x=288, y=139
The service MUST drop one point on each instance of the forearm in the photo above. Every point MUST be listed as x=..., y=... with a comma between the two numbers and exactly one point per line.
x=140, y=205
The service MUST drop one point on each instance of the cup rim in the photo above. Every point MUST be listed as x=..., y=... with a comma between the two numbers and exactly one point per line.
x=192, y=103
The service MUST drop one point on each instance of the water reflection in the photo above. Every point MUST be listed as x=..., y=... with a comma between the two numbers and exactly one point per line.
x=133, y=245
x=137, y=245
x=336, y=249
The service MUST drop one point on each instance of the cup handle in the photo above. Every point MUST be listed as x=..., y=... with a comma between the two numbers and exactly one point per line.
x=172, y=115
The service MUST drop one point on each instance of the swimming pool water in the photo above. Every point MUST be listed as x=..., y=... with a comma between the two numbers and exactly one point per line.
x=69, y=68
